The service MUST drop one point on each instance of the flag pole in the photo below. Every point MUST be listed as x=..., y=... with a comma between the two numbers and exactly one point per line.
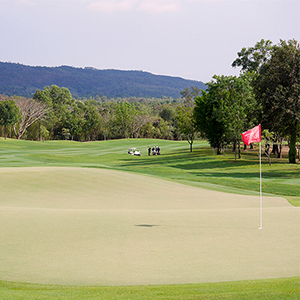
x=253, y=135
x=260, y=188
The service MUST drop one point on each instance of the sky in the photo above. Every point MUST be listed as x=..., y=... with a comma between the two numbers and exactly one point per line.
x=192, y=39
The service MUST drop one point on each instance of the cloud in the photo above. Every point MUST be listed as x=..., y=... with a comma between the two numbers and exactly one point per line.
x=149, y=6
x=26, y=2
x=109, y=6
x=159, y=6
x=211, y=1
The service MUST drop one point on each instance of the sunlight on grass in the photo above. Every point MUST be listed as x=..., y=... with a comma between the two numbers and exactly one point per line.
x=199, y=168
x=283, y=288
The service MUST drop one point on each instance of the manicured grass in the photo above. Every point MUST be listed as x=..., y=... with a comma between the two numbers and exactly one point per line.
x=284, y=288
x=200, y=168
x=89, y=226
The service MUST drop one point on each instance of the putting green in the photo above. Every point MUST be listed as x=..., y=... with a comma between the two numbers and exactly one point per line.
x=100, y=227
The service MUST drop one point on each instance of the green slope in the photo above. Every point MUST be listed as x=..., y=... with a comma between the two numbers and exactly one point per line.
x=200, y=168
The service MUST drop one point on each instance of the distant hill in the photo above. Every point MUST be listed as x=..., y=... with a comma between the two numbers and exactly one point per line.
x=21, y=80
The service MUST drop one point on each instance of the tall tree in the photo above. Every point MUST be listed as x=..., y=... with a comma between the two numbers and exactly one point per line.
x=239, y=105
x=125, y=114
x=210, y=119
x=9, y=114
x=253, y=58
x=91, y=120
x=186, y=123
x=60, y=103
x=31, y=111
x=74, y=121
x=223, y=110
x=277, y=87
x=107, y=116
x=189, y=94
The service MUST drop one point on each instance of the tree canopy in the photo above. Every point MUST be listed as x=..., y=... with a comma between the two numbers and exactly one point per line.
x=277, y=88
x=276, y=83
x=9, y=113
x=225, y=110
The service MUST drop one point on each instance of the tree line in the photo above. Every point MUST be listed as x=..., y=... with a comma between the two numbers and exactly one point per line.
x=54, y=114
x=266, y=92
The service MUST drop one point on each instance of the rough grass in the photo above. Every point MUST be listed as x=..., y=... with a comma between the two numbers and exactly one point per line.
x=284, y=288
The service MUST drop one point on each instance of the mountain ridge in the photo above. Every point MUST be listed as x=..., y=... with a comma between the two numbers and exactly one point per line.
x=23, y=80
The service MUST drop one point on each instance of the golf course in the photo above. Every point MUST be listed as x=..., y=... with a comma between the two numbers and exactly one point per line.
x=89, y=221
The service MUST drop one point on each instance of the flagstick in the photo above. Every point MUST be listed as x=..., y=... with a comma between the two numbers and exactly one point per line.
x=260, y=189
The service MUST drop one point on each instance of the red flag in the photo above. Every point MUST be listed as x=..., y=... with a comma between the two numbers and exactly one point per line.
x=252, y=136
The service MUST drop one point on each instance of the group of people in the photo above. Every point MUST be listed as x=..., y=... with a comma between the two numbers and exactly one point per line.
x=155, y=150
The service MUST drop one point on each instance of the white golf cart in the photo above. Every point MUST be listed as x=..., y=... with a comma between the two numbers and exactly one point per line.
x=134, y=151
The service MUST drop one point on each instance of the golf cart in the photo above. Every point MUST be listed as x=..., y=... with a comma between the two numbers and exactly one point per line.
x=134, y=151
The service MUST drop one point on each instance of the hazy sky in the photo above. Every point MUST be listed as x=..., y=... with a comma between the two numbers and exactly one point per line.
x=193, y=39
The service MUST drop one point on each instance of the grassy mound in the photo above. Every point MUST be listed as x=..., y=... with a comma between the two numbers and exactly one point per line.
x=200, y=168
x=95, y=226
x=282, y=288
x=82, y=226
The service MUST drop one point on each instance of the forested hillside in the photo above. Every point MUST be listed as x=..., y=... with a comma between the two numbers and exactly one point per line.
x=21, y=80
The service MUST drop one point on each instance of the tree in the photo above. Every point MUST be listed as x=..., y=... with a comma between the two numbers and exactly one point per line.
x=106, y=120
x=210, y=119
x=277, y=88
x=44, y=133
x=189, y=94
x=167, y=113
x=239, y=105
x=253, y=58
x=186, y=123
x=137, y=123
x=31, y=111
x=9, y=114
x=162, y=130
x=91, y=120
x=60, y=103
x=125, y=114
x=74, y=122
x=224, y=109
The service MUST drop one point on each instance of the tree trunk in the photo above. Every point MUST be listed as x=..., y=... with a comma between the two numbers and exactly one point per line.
x=280, y=151
x=275, y=149
x=267, y=152
x=234, y=150
x=293, y=151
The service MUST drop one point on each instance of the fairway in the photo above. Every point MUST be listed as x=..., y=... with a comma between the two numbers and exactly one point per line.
x=84, y=226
